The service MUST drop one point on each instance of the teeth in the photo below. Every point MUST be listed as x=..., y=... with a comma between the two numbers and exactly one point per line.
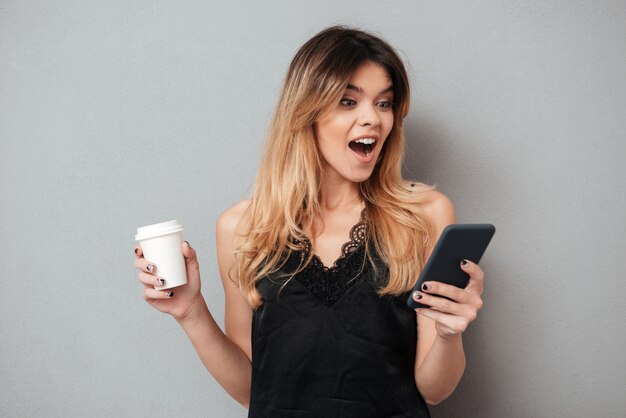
x=366, y=141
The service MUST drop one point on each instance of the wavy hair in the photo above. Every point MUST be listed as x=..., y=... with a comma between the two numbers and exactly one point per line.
x=285, y=198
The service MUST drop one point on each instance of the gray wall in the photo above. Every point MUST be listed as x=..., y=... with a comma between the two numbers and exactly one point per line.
x=118, y=114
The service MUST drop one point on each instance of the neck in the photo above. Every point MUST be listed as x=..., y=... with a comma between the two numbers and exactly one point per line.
x=339, y=194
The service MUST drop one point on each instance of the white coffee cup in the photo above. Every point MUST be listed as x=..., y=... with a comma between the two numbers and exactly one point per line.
x=161, y=244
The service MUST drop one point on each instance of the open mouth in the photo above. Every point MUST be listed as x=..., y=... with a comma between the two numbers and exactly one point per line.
x=363, y=146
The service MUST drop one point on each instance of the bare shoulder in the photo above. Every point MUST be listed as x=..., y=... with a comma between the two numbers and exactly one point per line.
x=439, y=208
x=229, y=227
x=232, y=219
x=232, y=224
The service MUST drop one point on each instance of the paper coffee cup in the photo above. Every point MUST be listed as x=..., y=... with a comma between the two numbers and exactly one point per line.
x=161, y=244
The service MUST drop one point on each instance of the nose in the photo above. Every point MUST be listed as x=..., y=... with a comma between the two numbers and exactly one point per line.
x=368, y=116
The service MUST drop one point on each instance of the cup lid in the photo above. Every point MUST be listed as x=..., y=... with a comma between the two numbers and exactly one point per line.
x=156, y=230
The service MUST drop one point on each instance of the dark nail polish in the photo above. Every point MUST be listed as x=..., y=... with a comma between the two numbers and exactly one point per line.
x=412, y=184
x=161, y=281
x=136, y=251
x=417, y=295
x=150, y=267
x=425, y=286
x=464, y=263
x=188, y=245
x=170, y=294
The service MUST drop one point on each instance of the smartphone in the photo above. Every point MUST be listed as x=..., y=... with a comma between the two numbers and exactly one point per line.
x=457, y=242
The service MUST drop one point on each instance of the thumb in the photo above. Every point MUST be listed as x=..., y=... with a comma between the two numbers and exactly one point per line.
x=476, y=280
x=191, y=261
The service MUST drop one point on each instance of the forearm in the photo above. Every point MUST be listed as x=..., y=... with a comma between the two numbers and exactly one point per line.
x=441, y=370
x=224, y=359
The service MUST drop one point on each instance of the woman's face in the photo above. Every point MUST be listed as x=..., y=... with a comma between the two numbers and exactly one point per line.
x=351, y=136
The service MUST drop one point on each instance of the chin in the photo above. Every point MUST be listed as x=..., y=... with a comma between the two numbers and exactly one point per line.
x=360, y=177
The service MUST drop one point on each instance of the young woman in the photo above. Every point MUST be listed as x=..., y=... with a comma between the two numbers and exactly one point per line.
x=317, y=265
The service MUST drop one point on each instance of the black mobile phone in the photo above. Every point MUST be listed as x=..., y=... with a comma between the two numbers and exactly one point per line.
x=457, y=242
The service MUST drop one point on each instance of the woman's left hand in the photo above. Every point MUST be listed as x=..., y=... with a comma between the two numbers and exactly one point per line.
x=452, y=317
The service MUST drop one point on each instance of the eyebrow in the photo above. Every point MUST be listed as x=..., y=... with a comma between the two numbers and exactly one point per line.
x=360, y=90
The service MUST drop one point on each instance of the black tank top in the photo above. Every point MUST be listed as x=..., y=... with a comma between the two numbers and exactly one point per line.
x=326, y=345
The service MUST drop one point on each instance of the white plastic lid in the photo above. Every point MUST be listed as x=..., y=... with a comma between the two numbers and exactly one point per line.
x=157, y=230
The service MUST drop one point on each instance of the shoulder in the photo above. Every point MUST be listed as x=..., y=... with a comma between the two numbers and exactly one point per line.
x=231, y=225
x=439, y=209
x=234, y=218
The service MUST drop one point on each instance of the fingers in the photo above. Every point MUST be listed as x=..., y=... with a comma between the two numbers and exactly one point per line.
x=150, y=294
x=145, y=265
x=452, y=308
x=451, y=299
x=477, y=276
x=452, y=324
x=441, y=304
x=447, y=290
x=147, y=270
x=150, y=279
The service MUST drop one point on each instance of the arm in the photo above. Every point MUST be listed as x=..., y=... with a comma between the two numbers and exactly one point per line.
x=224, y=359
x=440, y=360
x=226, y=356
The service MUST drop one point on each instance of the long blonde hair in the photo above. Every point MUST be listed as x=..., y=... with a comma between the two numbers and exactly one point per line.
x=286, y=194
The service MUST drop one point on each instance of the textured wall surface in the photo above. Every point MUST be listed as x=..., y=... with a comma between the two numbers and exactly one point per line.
x=118, y=114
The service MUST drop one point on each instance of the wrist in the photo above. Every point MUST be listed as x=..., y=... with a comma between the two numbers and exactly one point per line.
x=197, y=309
x=456, y=338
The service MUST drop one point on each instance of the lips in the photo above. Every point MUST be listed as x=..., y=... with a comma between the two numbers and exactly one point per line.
x=363, y=147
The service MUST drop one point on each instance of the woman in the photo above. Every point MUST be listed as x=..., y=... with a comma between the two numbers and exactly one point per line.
x=316, y=266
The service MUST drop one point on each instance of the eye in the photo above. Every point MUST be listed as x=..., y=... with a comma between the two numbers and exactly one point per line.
x=385, y=104
x=347, y=102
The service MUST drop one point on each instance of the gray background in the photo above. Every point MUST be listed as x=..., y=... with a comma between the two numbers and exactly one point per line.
x=118, y=114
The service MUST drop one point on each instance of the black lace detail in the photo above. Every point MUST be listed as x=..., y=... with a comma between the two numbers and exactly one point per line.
x=358, y=233
x=329, y=284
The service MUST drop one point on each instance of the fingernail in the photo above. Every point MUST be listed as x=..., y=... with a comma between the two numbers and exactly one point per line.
x=170, y=294
x=464, y=263
x=160, y=281
x=425, y=286
x=417, y=295
x=188, y=245
x=150, y=267
x=136, y=250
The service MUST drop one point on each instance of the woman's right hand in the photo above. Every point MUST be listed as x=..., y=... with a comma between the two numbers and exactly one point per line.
x=178, y=301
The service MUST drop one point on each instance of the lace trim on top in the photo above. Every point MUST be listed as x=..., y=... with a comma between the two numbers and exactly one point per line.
x=329, y=284
x=358, y=234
